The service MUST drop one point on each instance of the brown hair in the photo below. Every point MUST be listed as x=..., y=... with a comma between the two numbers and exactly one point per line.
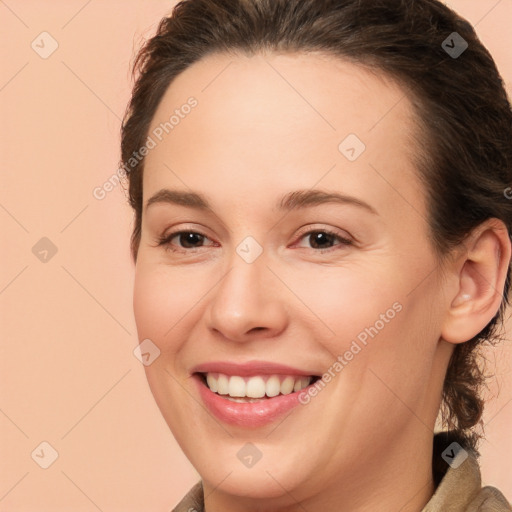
x=464, y=157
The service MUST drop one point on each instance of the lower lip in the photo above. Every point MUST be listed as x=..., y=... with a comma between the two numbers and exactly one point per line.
x=249, y=415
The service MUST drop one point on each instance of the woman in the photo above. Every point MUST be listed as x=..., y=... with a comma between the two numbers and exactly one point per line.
x=322, y=242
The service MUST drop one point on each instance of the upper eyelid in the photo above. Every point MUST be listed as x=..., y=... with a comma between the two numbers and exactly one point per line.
x=335, y=231
x=302, y=231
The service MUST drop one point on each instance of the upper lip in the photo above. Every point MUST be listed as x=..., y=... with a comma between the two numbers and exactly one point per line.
x=249, y=368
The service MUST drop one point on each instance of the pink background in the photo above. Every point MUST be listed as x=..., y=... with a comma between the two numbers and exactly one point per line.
x=68, y=373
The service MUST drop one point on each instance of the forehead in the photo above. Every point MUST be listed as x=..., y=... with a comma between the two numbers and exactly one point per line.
x=274, y=118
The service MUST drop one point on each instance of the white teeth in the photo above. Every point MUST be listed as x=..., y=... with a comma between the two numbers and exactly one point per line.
x=212, y=382
x=301, y=383
x=236, y=387
x=287, y=385
x=242, y=400
x=273, y=386
x=255, y=387
x=222, y=385
x=241, y=388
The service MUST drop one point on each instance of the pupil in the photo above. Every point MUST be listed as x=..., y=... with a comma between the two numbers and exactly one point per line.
x=320, y=237
x=190, y=238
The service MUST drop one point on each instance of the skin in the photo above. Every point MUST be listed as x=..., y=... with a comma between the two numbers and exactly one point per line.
x=264, y=126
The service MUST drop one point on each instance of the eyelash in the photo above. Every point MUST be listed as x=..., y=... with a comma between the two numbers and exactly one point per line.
x=165, y=240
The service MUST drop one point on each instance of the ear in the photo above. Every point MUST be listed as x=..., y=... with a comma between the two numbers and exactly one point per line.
x=480, y=275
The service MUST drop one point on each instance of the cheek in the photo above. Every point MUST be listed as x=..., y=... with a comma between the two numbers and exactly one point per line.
x=347, y=302
x=372, y=324
x=164, y=303
x=163, y=307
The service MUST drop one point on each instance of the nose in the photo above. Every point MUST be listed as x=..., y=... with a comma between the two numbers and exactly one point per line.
x=247, y=303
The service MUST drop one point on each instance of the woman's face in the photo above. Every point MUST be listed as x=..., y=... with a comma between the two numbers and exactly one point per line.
x=304, y=253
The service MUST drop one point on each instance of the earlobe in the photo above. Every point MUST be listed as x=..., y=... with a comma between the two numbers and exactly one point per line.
x=480, y=280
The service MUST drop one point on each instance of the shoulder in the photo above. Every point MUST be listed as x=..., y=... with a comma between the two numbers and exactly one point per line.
x=458, y=479
x=193, y=501
x=489, y=499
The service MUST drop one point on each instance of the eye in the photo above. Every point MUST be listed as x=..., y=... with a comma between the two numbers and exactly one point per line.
x=324, y=239
x=184, y=240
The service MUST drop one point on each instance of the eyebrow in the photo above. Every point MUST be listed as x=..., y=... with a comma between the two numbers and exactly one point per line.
x=292, y=201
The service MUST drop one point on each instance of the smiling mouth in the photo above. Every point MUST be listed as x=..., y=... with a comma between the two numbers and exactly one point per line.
x=255, y=388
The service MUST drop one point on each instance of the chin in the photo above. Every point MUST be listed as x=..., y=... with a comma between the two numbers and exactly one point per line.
x=268, y=478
